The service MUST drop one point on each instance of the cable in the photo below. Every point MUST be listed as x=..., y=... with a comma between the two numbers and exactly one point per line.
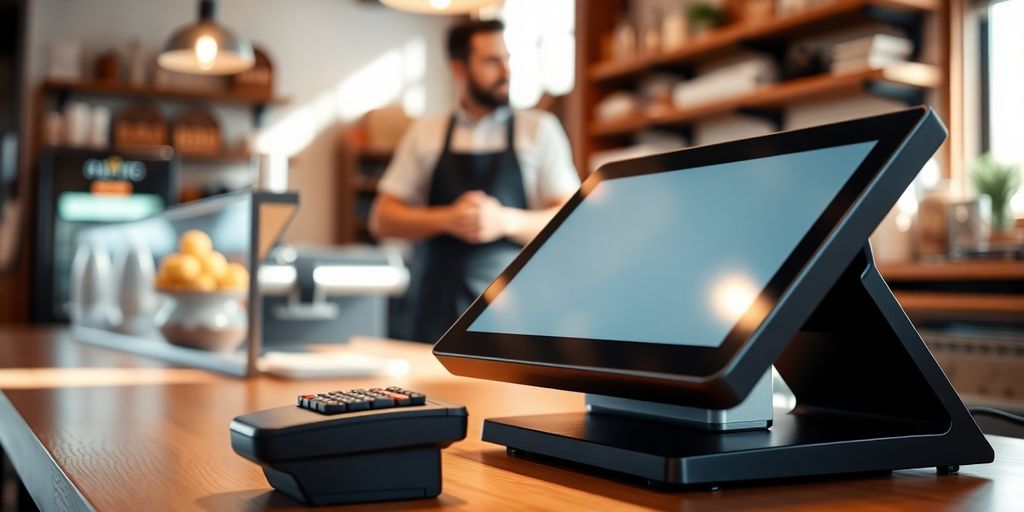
x=1006, y=416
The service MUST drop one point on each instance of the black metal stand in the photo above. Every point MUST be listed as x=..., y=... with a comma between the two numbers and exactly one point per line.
x=870, y=398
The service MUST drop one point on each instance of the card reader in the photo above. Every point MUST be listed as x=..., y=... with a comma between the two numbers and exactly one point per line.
x=352, y=446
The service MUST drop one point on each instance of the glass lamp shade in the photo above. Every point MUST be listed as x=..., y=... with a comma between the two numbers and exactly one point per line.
x=205, y=48
x=438, y=6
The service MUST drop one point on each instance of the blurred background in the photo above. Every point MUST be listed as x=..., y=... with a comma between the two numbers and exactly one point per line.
x=102, y=124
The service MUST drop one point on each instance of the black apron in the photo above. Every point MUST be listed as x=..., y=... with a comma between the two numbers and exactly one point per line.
x=452, y=273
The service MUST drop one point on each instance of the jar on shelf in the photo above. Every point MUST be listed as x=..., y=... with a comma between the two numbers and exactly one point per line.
x=624, y=40
x=674, y=30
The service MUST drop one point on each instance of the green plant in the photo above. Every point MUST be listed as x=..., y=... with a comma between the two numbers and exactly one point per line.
x=704, y=16
x=999, y=182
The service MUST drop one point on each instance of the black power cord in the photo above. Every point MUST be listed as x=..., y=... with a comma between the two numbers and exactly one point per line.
x=992, y=412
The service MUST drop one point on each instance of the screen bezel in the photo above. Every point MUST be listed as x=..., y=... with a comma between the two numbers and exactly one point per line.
x=632, y=357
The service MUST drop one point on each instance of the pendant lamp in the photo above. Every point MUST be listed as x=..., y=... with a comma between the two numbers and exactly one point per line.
x=206, y=48
x=444, y=7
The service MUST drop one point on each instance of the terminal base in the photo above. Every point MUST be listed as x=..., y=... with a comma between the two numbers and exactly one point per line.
x=661, y=453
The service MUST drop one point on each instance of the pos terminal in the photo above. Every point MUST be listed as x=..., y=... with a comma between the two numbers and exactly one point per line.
x=668, y=287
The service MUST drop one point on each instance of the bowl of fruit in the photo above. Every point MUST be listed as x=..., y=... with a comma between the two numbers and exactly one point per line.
x=207, y=296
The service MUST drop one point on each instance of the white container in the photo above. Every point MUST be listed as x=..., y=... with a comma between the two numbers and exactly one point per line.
x=91, y=286
x=674, y=30
x=135, y=295
x=77, y=121
x=99, y=128
x=136, y=64
x=65, y=60
x=54, y=129
x=273, y=173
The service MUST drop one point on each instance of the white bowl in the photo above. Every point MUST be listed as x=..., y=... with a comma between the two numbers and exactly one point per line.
x=213, y=321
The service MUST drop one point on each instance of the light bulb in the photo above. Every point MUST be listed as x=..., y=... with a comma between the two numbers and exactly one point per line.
x=440, y=5
x=206, y=52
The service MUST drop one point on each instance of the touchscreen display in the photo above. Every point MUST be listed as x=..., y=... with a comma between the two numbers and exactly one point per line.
x=672, y=257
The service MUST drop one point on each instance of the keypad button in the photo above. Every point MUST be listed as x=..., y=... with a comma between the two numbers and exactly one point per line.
x=379, y=402
x=359, y=406
x=399, y=398
x=341, y=401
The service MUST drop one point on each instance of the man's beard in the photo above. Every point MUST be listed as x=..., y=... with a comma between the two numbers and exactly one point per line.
x=487, y=98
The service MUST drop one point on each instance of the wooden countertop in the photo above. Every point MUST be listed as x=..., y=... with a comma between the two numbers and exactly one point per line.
x=88, y=428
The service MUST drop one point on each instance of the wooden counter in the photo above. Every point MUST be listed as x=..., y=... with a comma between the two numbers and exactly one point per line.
x=92, y=429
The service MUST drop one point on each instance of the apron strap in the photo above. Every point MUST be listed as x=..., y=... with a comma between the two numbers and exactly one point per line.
x=510, y=134
x=448, y=135
x=509, y=152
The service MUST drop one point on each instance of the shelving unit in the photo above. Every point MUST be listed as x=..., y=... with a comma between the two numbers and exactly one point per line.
x=56, y=93
x=358, y=174
x=62, y=90
x=118, y=89
x=954, y=271
x=762, y=34
x=367, y=185
x=967, y=289
x=909, y=83
x=904, y=82
x=228, y=156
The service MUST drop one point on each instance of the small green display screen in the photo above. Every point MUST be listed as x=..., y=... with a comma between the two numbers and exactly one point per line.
x=87, y=207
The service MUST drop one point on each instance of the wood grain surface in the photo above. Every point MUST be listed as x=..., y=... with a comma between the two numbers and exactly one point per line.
x=89, y=428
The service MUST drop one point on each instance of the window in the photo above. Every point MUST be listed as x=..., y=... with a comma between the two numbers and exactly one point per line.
x=1003, y=85
x=540, y=41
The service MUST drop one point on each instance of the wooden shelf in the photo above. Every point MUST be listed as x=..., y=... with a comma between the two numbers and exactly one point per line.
x=227, y=156
x=957, y=290
x=367, y=185
x=376, y=155
x=954, y=271
x=699, y=49
x=362, y=228
x=960, y=303
x=621, y=126
x=123, y=89
x=757, y=33
x=910, y=75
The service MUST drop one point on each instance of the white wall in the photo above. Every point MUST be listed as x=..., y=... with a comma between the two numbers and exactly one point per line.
x=334, y=60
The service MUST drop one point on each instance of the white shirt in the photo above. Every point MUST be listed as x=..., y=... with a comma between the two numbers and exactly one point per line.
x=545, y=159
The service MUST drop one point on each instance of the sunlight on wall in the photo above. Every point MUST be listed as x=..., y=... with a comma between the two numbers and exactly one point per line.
x=395, y=76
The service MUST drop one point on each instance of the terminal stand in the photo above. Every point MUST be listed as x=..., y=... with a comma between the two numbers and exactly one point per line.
x=870, y=398
x=754, y=412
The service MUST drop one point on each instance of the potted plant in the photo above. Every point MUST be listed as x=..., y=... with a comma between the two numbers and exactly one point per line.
x=999, y=182
x=703, y=17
